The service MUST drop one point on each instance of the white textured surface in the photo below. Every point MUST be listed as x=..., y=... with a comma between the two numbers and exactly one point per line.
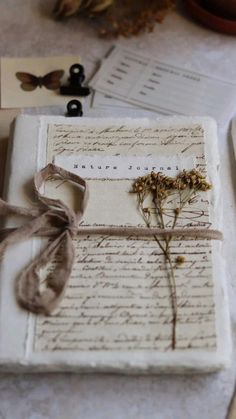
x=25, y=29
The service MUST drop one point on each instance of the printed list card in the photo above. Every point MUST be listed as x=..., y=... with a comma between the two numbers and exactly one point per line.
x=151, y=84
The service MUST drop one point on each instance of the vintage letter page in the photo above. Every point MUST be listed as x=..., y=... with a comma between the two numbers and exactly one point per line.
x=119, y=296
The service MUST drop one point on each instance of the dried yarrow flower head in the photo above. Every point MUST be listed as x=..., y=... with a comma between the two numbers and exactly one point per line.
x=118, y=17
x=152, y=182
x=192, y=179
x=157, y=182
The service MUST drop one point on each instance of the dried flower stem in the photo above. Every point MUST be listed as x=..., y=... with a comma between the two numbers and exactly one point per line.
x=159, y=187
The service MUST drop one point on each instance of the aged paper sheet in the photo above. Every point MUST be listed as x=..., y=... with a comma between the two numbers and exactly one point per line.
x=119, y=297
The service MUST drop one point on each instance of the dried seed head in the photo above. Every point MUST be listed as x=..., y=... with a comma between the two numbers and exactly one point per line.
x=180, y=260
x=192, y=179
x=160, y=185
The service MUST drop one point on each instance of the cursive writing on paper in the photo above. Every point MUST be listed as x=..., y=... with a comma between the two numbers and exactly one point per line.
x=118, y=297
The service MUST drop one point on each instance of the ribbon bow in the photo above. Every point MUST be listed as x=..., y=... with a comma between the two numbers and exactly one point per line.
x=55, y=220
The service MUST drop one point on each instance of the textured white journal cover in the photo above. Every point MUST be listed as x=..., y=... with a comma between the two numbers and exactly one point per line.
x=116, y=313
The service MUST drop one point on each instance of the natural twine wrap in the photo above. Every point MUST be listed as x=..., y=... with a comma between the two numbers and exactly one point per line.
x=53, y=219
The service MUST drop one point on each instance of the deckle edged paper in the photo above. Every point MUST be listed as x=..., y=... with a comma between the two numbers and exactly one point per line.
x=119, y=296
x=116, y=313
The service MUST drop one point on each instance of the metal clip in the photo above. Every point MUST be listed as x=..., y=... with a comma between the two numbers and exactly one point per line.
x=74, y=108
x=75, y=88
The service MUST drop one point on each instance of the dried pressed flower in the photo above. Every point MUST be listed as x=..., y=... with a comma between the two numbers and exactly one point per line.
x=118, y=17
x=159, y=186
x=192, y=179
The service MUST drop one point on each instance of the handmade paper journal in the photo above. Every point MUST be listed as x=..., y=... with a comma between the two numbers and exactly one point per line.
x=133, y=302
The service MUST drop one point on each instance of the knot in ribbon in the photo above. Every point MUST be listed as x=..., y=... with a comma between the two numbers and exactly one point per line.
x=72, y=230
x=54, y=220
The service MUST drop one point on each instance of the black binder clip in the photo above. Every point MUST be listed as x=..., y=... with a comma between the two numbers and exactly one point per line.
x=75, y=88
x=74, y=108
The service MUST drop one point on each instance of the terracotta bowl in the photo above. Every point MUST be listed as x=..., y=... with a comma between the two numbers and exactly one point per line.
x=225, y=8
x=210, y=18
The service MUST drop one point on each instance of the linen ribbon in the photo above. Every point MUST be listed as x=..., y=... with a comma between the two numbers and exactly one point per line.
x=58, y=222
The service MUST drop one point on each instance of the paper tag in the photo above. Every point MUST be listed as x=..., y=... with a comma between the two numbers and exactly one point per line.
x=123, y=167
x=155, y=85
x=13, y=93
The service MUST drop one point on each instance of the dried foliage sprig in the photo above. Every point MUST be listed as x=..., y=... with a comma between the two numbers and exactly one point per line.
x=159, y=188
x=118, y=17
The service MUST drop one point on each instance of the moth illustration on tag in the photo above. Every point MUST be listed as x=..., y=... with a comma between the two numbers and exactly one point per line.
x=50, y=81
